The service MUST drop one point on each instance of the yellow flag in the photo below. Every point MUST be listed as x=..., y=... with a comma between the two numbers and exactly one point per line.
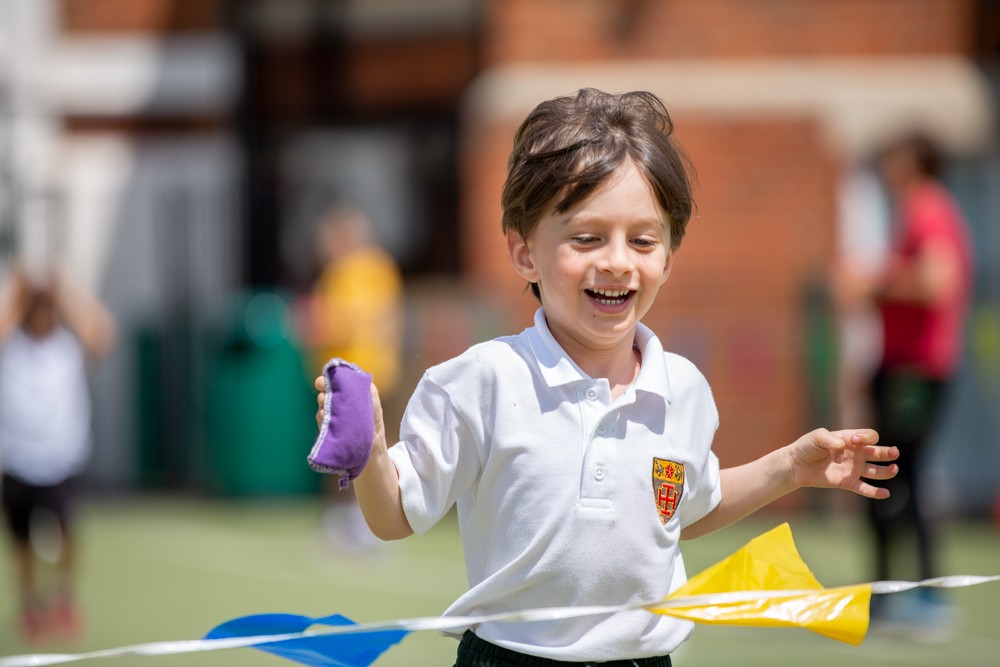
x=771, y=563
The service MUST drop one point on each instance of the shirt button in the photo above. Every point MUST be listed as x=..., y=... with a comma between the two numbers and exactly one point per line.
x=602, y=428
x=592, y=394
x=599, y=474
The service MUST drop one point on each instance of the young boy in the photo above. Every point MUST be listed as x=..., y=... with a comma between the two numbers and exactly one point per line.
x=579, y=452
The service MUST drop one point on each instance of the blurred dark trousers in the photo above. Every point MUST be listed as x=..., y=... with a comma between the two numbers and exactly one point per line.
x=906, y=407
x=474, y=652
x=20, y=499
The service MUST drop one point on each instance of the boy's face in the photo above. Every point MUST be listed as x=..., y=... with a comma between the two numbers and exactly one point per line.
x=599, y=264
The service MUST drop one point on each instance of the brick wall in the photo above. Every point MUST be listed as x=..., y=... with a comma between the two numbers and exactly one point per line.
x=547, y=30
x=763, y=236
x=734, y=303
x=142, y=16
x=429, y=73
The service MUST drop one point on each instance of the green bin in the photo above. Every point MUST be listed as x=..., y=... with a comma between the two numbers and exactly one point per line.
x=260, y=406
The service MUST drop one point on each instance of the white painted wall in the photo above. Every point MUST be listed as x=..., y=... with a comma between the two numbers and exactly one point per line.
x=142, y=223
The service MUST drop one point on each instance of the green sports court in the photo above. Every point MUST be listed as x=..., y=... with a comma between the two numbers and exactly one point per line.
x=162, y=568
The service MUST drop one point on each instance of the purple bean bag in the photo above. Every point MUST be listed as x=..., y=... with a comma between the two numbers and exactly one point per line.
x=345, y=436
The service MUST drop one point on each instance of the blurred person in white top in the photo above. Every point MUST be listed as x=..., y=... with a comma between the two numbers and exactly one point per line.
x=48, y=328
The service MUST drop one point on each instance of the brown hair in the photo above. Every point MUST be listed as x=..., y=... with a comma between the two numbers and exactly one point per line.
x=570, y=145
x=925, y=152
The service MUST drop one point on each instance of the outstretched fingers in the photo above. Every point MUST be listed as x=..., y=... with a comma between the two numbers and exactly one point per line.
x=881, y=454
x=873, y=471
x=858, y=436
x=869, y=491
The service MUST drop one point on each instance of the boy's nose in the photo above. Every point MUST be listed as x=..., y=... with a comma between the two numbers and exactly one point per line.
x=616, y=259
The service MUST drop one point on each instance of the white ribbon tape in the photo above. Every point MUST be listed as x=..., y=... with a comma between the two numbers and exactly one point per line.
x=456, y=622
x=954, y=581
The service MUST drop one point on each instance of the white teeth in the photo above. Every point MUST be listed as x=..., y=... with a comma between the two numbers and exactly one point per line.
x=616, y=296
x=614, y=293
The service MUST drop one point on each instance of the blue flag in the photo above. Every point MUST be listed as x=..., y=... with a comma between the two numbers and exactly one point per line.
x=352, y=650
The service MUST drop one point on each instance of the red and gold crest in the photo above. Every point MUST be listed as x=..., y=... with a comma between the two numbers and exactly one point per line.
x=668, y=485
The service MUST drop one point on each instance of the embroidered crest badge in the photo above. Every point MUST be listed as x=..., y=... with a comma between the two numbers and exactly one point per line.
x=668, y=485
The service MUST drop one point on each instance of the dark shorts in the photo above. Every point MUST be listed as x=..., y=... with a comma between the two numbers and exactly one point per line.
x=475, y=652
x=21, y=499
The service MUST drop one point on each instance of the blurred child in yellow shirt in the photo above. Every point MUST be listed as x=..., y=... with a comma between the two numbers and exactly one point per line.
x=357, y=301
x=355, y=313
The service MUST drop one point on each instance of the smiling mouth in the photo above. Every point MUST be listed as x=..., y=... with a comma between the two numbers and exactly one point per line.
x=610, y=297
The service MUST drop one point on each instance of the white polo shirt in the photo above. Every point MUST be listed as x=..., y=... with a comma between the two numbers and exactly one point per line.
x=565, y=497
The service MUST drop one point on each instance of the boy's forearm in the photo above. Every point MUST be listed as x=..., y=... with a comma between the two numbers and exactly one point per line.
x=746, y=489
x=378, y=492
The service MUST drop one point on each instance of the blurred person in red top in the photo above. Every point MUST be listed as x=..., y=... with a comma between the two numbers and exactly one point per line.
x=48, y=326
x=923, y=296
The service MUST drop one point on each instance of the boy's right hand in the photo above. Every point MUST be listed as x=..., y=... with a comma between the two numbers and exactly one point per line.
x=377, y=487
x=320, y=385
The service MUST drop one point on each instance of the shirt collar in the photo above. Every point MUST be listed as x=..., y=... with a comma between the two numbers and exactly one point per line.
x=558, y=369
x=653, y=376
x=556, y=366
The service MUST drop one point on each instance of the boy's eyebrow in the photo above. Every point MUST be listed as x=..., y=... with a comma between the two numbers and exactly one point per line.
x=583, y=216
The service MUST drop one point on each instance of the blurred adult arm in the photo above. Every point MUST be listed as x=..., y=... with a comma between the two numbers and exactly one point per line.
x=12, y=300
x=933, y=276
x=84, y=313
x=320, y=322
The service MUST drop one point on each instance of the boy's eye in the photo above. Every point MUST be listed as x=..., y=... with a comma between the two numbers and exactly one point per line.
x=586, y=239
x=643, y=242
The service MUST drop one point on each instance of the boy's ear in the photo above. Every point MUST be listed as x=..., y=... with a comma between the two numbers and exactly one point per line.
x=520, y=257
x=668, y=266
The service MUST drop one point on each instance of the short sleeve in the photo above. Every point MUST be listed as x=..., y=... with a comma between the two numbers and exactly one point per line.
x=702, y=489
x=705, y=496
x=437, y=456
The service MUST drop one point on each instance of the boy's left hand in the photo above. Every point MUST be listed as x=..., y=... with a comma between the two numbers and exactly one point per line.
x=840, y=460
